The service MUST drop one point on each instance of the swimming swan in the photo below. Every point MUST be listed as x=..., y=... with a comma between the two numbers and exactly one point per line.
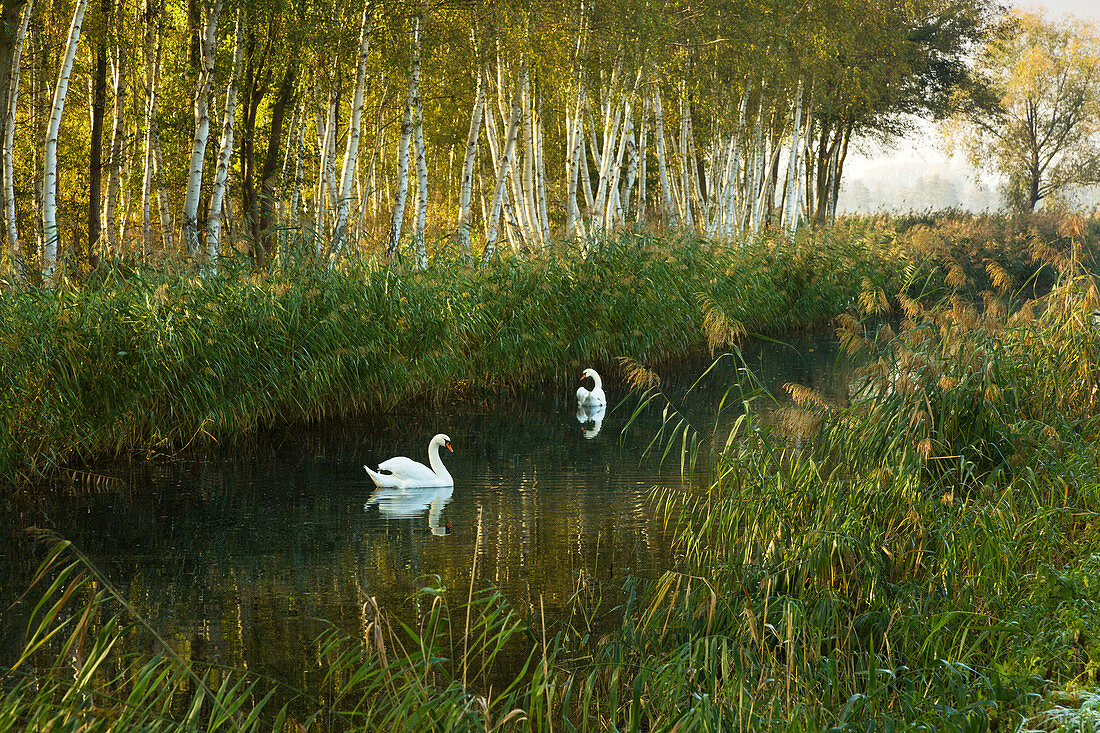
x=596, y=396
x=405, y=473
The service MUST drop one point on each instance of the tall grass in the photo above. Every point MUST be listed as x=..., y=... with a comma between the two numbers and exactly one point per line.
x=156, y=360
x=922, y=555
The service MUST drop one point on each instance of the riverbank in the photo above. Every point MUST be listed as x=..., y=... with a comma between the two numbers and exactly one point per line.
x=919, y=554
x=147, y=361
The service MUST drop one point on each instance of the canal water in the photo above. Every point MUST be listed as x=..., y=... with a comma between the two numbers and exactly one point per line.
x=241, y=557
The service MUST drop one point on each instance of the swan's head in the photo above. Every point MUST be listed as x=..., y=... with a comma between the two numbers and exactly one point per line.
x=443, y=441
x=590, y=374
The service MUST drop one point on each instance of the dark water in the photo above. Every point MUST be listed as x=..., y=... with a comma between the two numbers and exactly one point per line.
x=234, y=558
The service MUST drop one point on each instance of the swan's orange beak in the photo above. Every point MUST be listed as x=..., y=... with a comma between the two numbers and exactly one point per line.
x=448, y=444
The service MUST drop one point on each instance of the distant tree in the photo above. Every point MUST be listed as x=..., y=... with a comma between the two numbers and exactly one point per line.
x=1043, y=134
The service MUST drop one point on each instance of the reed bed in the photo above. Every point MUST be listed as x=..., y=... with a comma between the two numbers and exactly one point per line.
x=921, y=555
x=150, y=361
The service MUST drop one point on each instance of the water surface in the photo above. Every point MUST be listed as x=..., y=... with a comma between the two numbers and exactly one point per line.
x=236, y=557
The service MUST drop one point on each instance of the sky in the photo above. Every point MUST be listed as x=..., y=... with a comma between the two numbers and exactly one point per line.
x=921, y=150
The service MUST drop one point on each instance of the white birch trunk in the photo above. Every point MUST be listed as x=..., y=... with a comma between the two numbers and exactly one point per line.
x=514, y=119
x=467, y=185
x=686, y=174
x=631, y=168
x=586, y=183
x=530, y=215
x=662, y=166
x=9, y=144
x=790, y=218
x=329, y=169
x=606, y=160
x=351, y=155
x=225, y=152
x=613, y=211
x=758, y=163
x=202, y=127
x=50, y=230
x=114, y=163
x=575, y=163
x=402, y=192
x=540, y=176
x=641, y=215
x=421, y=181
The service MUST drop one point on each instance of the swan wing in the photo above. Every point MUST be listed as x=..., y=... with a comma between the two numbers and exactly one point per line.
x=582, y=395
x=409, y=470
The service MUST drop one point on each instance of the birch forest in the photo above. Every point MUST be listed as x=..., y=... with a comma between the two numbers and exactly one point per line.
x=142, y=129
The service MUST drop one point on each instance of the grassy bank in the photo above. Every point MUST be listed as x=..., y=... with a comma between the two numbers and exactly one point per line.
x=920, y=556
x=150, y=360
x=154, y=360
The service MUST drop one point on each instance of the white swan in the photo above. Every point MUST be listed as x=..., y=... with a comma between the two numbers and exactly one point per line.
x=591, y=418
x=411, y=503
x=405, y=473
x=594, y=397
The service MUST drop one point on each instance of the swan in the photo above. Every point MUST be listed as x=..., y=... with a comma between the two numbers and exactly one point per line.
x=591, y=418
x=405, y=473
x=411, y=503
x=595, y=396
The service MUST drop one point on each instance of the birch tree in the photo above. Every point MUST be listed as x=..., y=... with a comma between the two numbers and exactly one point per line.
x=12, y=229
x=466, y=188
x=115, y=159
x=351, y=156
x=202, y=126
x=402, y=192
x=225, y=150
x=503, y=165
x=50, y=231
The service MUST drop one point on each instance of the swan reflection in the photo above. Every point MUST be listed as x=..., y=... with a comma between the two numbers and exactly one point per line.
x=591, y=418
x=411, y=503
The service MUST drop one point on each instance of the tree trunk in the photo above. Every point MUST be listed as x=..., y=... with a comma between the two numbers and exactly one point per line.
x=11, y=54
x=790, y=218
x=225, y=150
x=268, y=174
x=152, y=74
x=641, y=215
x=540, y=174
x=575, y=162
x=166, y=237
x=114, y=163
x=514, y=119
x=351, y=155
x=402, y=193
x=191, y=233
x=466, y=189
x=662, y=167
x=95, y=151
x=50, y=230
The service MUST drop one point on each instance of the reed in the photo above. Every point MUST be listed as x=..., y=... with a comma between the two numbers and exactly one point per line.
x=150, y=361
x=921, y=554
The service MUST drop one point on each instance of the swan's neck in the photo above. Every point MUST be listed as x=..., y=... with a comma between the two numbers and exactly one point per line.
x=437, y=465
x=597, y=383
